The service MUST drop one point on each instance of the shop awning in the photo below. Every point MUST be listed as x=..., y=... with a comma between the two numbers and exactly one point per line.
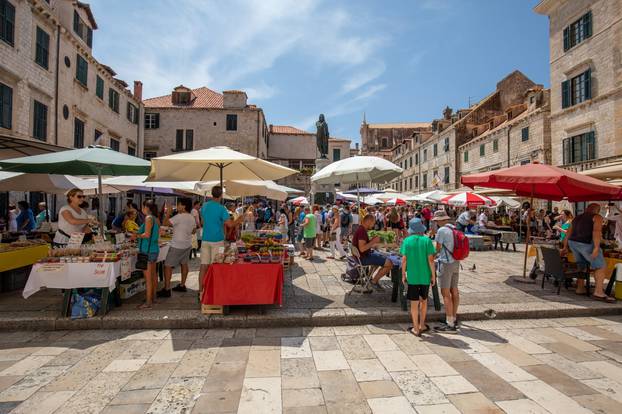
x=11, y=147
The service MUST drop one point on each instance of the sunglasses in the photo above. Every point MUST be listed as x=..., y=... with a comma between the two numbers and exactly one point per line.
x=81, y=196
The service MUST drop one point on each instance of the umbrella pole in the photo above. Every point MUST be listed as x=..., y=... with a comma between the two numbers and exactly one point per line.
x=100, y=204
x=221, y=167
x=528, y=236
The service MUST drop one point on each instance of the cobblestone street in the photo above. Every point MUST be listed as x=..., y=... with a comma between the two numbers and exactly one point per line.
x=569, y=365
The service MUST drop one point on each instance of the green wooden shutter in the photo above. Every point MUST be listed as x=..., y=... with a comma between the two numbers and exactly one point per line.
x=591, y=145
x=6, y=106
x=76, y=21
x=566, y=94
x=587, y=79
x=566, y=38
x=566, y=151
x=7, y=21
x=179, y=139
x=89, y=37
x=587, y=24
x=157, y=120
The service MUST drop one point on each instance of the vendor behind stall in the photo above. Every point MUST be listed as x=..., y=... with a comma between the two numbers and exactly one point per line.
x=71, y=219
x=25, y=218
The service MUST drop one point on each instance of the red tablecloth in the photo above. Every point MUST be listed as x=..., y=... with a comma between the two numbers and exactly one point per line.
x=243, y=284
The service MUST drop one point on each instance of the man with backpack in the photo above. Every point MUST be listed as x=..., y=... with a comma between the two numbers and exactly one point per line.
x=346, y=222
x=452, y=246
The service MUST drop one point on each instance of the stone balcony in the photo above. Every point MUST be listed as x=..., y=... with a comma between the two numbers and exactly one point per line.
x=588, y=165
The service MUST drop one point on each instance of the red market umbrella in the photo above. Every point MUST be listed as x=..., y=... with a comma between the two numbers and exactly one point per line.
x=546, y=182
x=396, y=202
x=467, y=199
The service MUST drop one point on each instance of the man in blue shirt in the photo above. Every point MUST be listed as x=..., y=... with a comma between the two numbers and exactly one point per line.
x=215, y=216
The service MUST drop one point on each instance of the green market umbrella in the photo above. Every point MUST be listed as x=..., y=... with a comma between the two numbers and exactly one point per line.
x=94, y=160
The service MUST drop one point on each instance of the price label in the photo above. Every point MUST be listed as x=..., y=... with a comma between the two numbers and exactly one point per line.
x=119, y=238
x=75, y=241
x=126, y=268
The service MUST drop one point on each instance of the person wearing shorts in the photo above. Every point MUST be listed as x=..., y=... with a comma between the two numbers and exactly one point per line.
x=309, y=226
x=418, y=272
x=370, y=257
x=180, y=246
x=214, y=216
x=448, y=270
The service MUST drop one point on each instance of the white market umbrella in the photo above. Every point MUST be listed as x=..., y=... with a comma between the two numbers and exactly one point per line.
x=505, y=201
x=215, y=164
x=289, y=190
x=395, y=202
x=371, y=200
x=388, y=196
x=243, y=188
x=348, y=197
x=299, y=201
x=434, y=196
x=45, y=183
x=355, y=170
x=137, y=182
x=468, y=199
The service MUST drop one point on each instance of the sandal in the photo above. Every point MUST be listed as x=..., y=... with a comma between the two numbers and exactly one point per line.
x=425, y=329
x=144, y=306
x=606, y=299
x=412, y=331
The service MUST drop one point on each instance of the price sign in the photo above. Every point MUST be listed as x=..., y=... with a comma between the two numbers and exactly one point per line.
x=119, y=238
x=75, y=241
x=126, y=268
x=52, y=268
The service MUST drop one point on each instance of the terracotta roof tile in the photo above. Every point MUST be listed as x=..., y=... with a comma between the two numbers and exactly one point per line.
x=205, y=98
x=289, y=130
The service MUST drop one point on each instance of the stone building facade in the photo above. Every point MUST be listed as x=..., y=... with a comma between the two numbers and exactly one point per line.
x=53, y=90
x=380, y=139
x=338, y=149
x=523, y=136
x=433, y=159
x=191, y=119
x=586, y=81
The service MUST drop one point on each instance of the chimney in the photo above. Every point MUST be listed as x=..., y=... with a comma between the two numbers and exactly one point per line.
x=234, y=99
x=138, y=90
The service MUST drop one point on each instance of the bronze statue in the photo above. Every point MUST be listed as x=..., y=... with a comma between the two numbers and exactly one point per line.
x=322, y=136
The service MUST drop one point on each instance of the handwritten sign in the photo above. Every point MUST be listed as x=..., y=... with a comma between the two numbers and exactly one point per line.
x=52, y=267
x=75, y=241
x=126, y=268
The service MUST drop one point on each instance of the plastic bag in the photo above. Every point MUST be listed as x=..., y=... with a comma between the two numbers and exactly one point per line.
x=85, y=304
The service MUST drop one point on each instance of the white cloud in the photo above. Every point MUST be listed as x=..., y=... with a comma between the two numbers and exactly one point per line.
x=221, y=44
x=363, y=77
x=370, y=92
x=260, y=91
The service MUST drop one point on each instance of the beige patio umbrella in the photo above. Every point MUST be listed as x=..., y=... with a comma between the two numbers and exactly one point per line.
x=243, y=188
x=215, y=164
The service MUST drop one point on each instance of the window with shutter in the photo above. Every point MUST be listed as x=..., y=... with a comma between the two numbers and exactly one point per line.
x=482, y=150
x=82, y=70
x=466, y=156
x=89, y=37
x=587, y=80
x=131, y=151
x=6, y=106
x=78, y=133
x=435, y=150
x=42, y=48
x=578, y=31
x=96, y=136
x=525, y=134
x=232, y=122
x=566, y=38
x=152, y=120
x=495, y=145
x=446, y=176
x=7, y=22
x=113, y=100
x=565, y=94
x=99, y=88
x=115, y=144
x=189, y=139
x=40, y=121
x=579, y=148
x=179, y=140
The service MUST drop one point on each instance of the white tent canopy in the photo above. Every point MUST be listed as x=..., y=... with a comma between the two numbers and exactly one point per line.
x=434, y=196
x=360, y=169
x=505, y=201
x=137, y=182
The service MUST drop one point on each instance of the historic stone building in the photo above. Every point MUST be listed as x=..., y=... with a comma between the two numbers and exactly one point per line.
x=520, y=136
x=586, y=81
x=53, y=93
x=434, y=160
x=190, y=119
x=380, y=139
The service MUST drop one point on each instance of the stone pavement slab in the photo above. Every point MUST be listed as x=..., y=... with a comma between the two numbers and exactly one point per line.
x=377, y=370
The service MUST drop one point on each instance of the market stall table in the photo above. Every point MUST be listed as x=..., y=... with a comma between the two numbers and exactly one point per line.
x=21, y=257
x=243, y=284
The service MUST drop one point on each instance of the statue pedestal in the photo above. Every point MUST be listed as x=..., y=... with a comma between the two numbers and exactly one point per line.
x=322, y=193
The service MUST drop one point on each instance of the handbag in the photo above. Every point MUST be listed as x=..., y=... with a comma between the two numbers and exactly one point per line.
x=142, y=259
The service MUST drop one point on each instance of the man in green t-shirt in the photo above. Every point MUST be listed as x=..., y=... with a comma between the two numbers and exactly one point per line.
x=309, y=226
x=418, y=272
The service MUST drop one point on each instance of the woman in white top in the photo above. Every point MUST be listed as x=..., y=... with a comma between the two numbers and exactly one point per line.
x=71, y=218
x=13, y=218
x=283, y=224
x=249, y=219
x=335, y=235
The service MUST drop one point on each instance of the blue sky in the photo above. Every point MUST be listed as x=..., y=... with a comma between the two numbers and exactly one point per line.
x=397, y=61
